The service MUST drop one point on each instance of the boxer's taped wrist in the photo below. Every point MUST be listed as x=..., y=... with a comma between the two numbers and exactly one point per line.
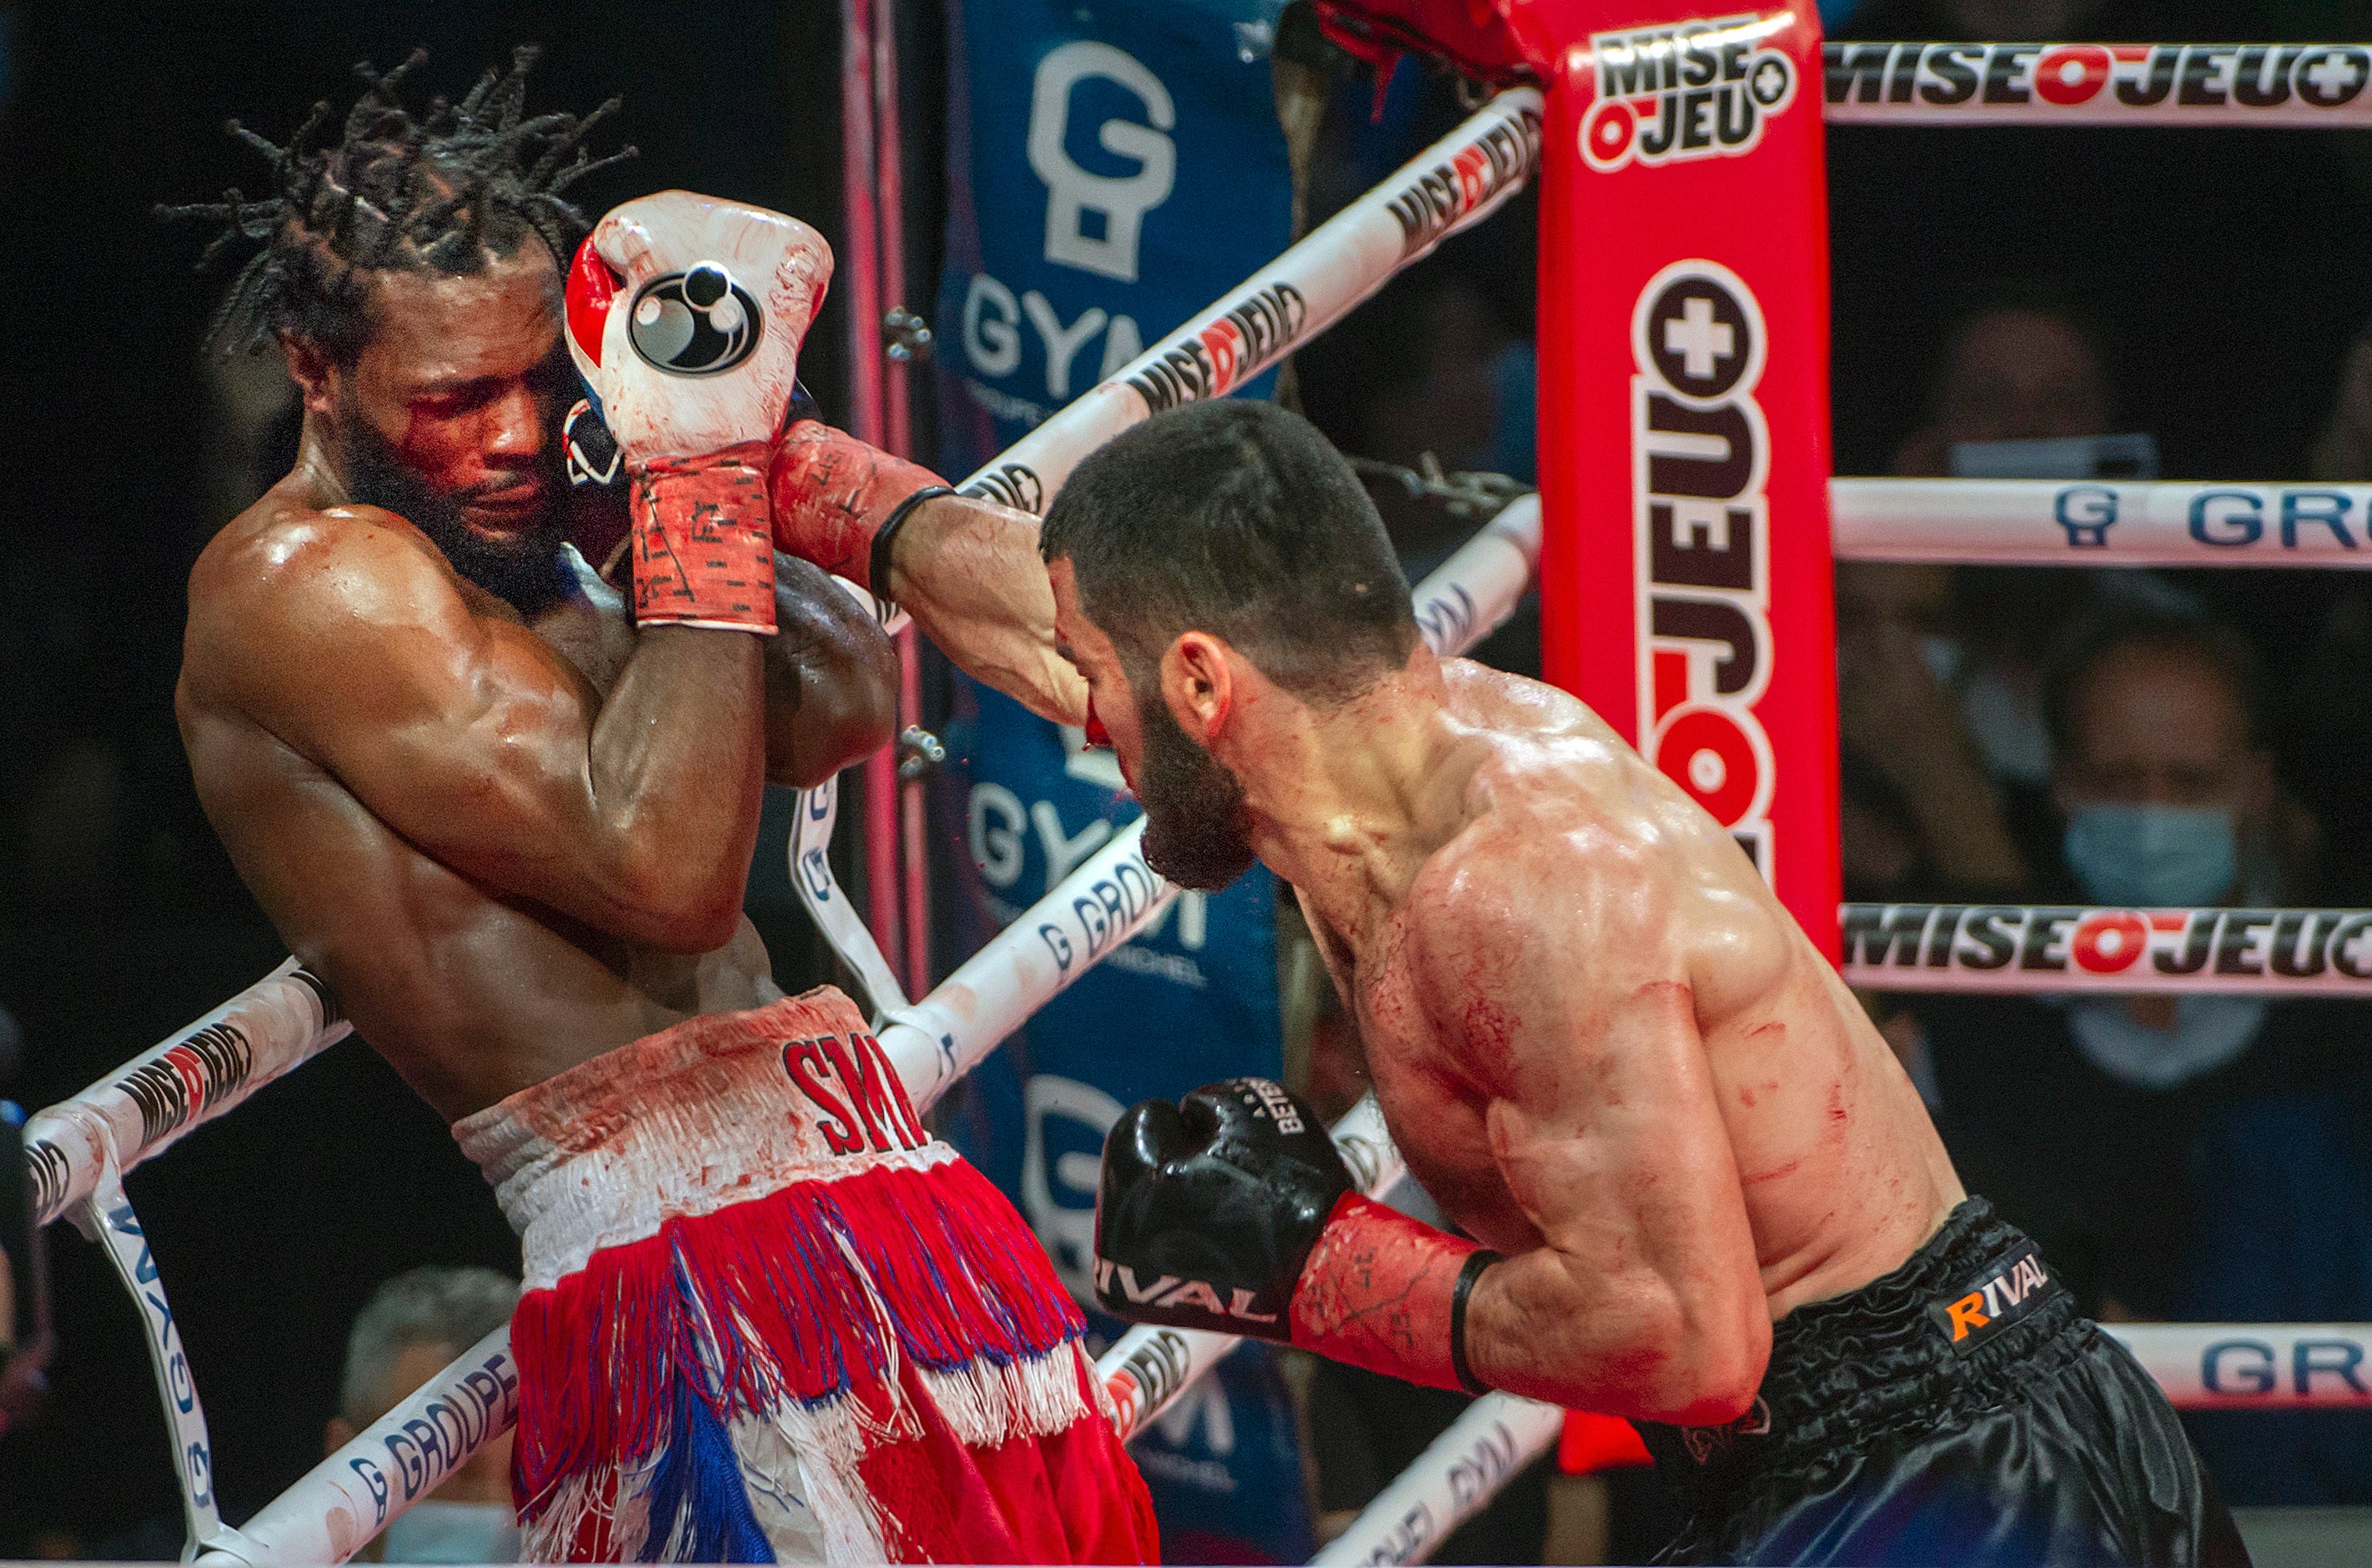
x=703, y=544
x=885, y=538
x=1378, y=1291
x=831, y=496
x=1476, y=1262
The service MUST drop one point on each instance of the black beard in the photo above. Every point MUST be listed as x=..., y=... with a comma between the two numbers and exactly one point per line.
x=526, y=569
x=1197, y=827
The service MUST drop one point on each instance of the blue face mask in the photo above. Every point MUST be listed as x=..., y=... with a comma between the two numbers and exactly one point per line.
x=2152, y=856
x=453, y=1532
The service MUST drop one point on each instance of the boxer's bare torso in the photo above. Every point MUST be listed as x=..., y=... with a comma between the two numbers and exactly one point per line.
x=512, y=840
x=339, y=678
x=1608, y=1053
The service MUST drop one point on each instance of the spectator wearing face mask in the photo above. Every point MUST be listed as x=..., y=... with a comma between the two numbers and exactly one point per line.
x=1922, y=817
x=2076, y=1114
x=412, y=1329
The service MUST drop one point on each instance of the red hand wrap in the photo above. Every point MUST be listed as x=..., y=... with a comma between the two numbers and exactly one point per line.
x=703, y=550
x=833, y=492
x=1377, y=1293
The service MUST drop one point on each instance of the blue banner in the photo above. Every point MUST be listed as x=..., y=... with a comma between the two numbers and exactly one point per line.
x=1191, y=1000
x=1113, y=168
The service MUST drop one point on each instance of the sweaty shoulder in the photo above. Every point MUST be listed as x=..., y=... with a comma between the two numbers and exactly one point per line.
x=1575, y=852
x=287, y=593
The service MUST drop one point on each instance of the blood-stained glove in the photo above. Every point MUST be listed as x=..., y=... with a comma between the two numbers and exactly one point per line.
x=1233, y=1211
x=685, y=315
x=839, y=502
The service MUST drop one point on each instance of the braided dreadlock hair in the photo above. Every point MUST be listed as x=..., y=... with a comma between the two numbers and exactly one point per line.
x=442, y=192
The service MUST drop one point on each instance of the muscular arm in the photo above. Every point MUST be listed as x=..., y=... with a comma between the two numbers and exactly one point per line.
x=345, y=635
x=969, y=573
x=832, y=679
x=1643, y=1299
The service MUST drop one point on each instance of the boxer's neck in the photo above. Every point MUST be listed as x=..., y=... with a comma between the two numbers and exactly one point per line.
x=1344, y=797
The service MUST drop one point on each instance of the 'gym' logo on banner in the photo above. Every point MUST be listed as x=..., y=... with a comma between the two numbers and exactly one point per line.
x=1697, y=90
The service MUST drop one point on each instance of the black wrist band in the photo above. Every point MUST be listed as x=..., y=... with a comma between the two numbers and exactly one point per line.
x=1479, y=1260
x=877, y=569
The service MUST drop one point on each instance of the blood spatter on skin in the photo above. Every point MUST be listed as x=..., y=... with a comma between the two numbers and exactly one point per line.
x=1376, y=1293
x=1745, y=1096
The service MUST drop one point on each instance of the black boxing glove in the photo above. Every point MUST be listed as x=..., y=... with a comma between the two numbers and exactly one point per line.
x=1233, y=1211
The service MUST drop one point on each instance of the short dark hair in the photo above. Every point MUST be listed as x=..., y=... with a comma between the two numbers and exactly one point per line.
x=438, y=192
x=2211, y=645
x=1235, y=518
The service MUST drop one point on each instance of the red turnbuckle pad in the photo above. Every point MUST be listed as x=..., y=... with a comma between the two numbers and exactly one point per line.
x=703, y=542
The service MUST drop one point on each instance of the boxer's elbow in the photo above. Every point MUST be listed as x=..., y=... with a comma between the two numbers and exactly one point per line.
x=1717, y=1344
x=857, y=713
x=837, y=712
x=1685, y=1355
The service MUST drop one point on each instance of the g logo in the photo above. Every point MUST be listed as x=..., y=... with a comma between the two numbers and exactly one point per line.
x=1119, y=202
x=693, y=323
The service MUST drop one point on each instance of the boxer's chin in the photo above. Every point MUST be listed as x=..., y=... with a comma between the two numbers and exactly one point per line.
x=1197, y=829
x=511, y=549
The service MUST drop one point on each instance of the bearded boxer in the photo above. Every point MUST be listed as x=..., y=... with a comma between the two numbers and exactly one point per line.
x=1707, y=1197
x=767, y=1317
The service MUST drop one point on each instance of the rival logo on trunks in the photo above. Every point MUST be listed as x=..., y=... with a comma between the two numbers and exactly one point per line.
x=1243, y=341
x=1700, y=89
x=2146, y=79
x=1171, y=1291
x=1984, y=1312
x=862, y=1099
x=187, y=1076
x=1442, y=197
x=1700, y=456
x=2263, y=949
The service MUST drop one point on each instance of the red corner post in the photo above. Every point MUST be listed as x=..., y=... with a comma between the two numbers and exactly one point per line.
x=1684, y=410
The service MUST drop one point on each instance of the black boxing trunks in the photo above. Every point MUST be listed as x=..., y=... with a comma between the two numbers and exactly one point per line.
x=1954, y=1412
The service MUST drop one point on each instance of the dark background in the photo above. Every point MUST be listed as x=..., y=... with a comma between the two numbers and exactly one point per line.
x=123, y=917
x=2225, y=272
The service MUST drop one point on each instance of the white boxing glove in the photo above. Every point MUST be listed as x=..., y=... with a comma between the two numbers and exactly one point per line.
x=685, y=315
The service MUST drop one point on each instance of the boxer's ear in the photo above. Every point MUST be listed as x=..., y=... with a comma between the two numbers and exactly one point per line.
x=312, y=372
x=1198, y=684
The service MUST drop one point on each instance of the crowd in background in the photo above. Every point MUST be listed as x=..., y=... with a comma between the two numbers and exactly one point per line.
x=2007, y=734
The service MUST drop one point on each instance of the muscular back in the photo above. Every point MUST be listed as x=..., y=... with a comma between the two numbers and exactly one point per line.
x=420, y=788
x=1593, y=1029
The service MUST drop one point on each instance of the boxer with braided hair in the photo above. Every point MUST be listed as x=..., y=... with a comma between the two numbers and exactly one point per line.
x=509, y=815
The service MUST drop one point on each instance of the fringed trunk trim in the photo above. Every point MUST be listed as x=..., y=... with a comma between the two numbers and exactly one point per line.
x=791, y=1302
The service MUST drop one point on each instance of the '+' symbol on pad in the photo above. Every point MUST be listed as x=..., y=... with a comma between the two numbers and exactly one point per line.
x=1698, y=338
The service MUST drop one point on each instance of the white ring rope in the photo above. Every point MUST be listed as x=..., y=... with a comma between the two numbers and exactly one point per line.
x=185, y=1080
x=2099, y=523
x=1452, y=184
x=2316, y=86
x=2029, y=948
x=1455, y=1478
